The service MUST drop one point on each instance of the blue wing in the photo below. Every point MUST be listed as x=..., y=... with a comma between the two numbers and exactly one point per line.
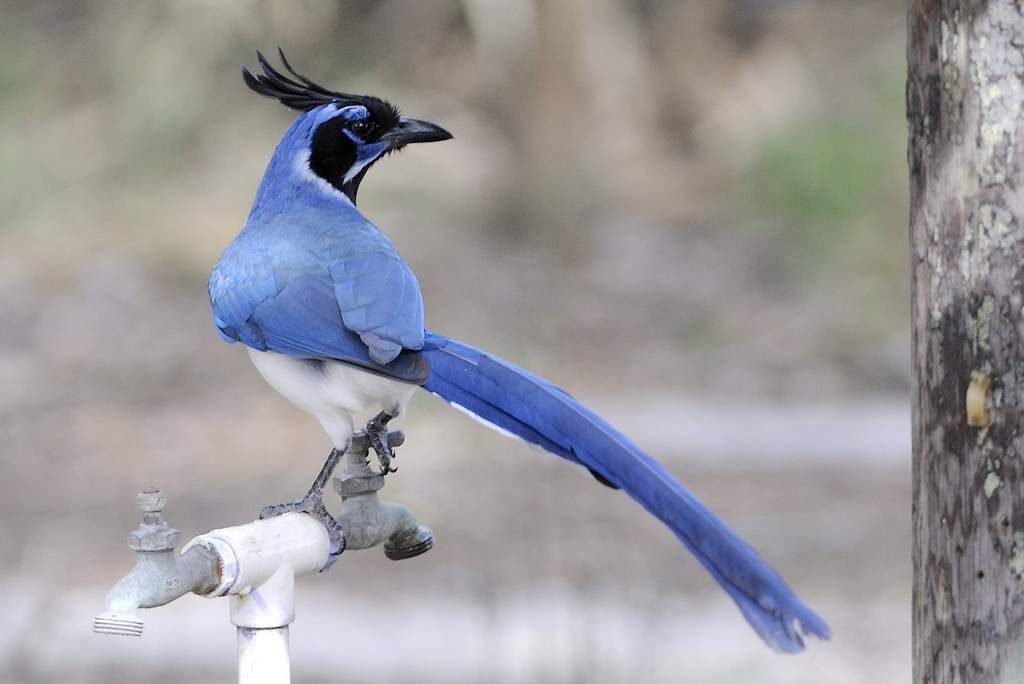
x=380, y=299
x=353, y=300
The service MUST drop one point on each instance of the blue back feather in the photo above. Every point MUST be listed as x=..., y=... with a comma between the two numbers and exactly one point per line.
x=309, y=276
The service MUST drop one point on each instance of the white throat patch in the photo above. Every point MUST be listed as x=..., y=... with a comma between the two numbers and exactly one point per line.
x=306, y=174
x=359, y=166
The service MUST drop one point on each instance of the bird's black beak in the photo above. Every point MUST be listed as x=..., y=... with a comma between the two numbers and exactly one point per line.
x=414, y=131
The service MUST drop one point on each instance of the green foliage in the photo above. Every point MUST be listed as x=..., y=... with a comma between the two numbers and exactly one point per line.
x=16, y=94
x=821, y=183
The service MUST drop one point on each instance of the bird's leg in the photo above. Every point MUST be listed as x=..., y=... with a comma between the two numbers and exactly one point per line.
x=377, y=435
x=313, y=504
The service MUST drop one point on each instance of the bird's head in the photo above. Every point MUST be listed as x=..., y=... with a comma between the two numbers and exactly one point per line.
x=344, y=134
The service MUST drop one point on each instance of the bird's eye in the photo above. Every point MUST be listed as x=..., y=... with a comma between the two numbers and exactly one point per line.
x=361, y=127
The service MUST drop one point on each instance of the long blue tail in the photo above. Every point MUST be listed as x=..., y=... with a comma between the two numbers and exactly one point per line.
x=540, y=413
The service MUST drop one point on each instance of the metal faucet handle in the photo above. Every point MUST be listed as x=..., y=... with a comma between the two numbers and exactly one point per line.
x=154, y=534
x=358, y=478
x=361, y=445
x=151, y=500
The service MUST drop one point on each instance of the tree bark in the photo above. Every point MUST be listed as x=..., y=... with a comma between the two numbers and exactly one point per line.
x=965, y=99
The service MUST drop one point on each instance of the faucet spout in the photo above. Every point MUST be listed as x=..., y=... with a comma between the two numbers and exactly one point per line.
x=367, y=521
x=159, y=575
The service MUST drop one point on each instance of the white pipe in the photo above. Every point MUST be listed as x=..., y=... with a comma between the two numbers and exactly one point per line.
x=263, y=656
x=258, y=564
x=251, y=554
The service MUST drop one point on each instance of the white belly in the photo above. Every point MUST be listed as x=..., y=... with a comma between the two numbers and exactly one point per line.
x=333, y=392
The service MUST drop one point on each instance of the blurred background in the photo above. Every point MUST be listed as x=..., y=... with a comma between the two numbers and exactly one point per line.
x=690, y=214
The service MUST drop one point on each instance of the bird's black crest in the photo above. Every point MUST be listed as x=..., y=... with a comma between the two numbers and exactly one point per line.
x=303, y=94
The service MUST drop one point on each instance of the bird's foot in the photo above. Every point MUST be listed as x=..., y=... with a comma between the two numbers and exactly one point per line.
x=312, y=504
x=377, y=435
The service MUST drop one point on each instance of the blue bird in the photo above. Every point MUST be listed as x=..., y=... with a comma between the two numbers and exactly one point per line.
x=332, y=317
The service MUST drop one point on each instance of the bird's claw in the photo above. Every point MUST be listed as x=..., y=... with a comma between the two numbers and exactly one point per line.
x=303, y=505
x=377, y=436
x=312, y=505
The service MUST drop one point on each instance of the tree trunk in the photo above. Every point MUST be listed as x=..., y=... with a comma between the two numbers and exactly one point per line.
x=965, y=99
